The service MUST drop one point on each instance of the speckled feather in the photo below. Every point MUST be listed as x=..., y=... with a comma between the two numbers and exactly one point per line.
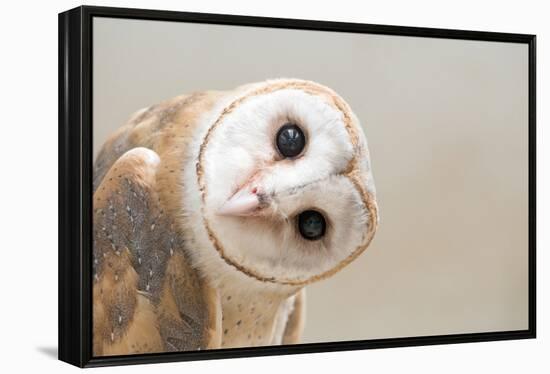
x=147, y=298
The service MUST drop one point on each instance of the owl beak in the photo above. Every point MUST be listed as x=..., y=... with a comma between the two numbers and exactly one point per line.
x=245, y=202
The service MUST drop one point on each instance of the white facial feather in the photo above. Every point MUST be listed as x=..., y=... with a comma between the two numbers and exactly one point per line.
x=241, y=150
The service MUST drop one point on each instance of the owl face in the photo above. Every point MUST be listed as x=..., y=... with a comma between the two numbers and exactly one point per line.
x=286, y=188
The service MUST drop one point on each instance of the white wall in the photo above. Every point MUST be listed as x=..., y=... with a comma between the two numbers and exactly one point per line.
x=29, y=160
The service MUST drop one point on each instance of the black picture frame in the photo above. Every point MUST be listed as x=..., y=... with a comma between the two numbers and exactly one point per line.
x=75, y=183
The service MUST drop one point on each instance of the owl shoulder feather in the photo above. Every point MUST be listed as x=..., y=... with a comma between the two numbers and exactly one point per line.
x=147, y=296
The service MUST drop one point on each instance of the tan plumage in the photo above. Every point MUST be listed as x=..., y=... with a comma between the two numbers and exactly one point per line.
x=147, y=298
x=152, y=292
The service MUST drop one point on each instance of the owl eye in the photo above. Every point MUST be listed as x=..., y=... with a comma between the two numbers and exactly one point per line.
x=290, y=140
x=311, y=224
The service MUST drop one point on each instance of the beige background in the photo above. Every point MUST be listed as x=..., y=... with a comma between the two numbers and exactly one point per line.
x=446, y=122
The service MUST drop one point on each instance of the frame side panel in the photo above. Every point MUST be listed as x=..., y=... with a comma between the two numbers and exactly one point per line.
x=533, y=186
x=70, y=292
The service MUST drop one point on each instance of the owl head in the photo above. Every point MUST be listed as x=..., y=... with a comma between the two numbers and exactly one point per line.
x=285, y=184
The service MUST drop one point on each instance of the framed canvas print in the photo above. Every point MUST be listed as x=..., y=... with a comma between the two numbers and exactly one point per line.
x=237, y=186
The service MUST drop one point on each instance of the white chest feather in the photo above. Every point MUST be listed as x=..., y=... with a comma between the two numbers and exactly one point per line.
x=253, y=321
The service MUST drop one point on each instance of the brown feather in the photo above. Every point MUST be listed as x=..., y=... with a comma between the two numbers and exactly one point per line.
x=141, y=269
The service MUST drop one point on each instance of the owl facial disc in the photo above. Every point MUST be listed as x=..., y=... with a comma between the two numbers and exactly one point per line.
x=286, y=188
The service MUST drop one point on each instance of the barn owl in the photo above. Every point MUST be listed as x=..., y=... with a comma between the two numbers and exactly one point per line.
x=213, y=211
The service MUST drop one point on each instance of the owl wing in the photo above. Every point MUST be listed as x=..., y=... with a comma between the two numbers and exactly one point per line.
x=146, y=295
x=295, y=323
